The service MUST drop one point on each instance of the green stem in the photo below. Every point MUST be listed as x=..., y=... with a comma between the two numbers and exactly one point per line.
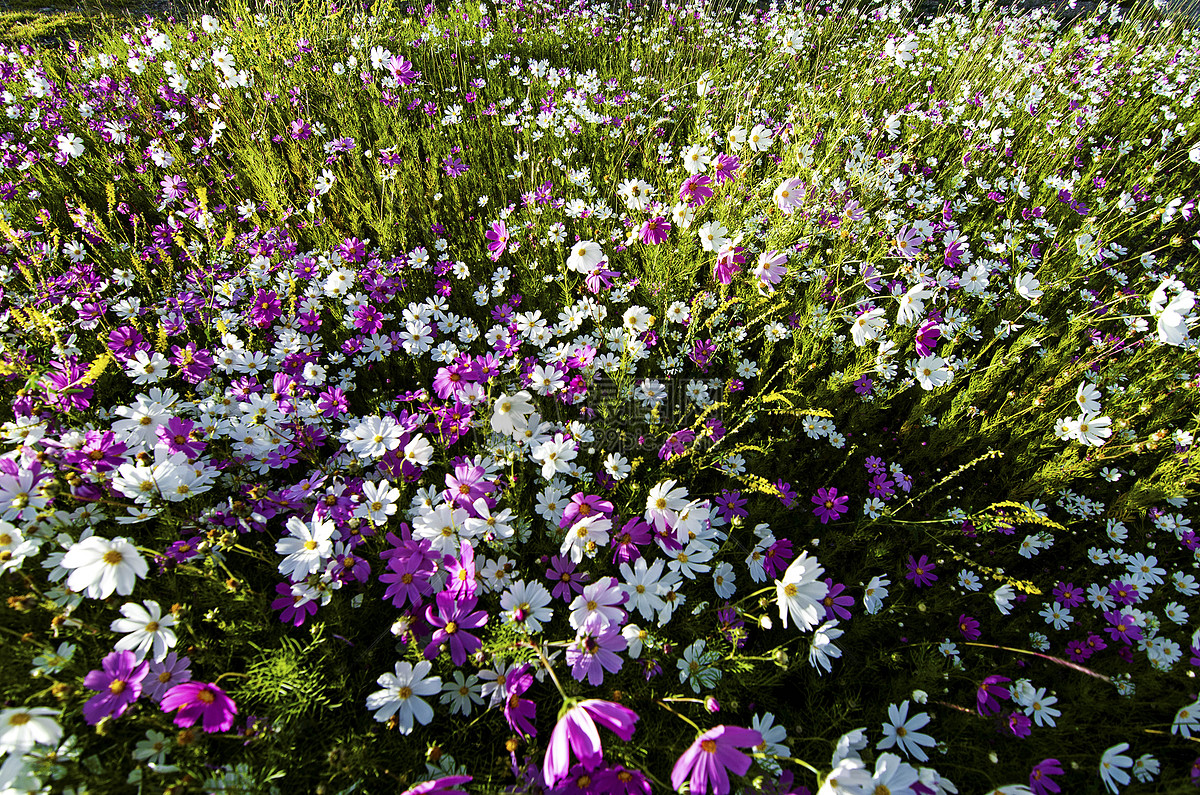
x=679, y=715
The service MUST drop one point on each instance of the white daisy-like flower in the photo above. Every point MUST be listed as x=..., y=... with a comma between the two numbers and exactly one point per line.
x=99, y=566
x=146, y=629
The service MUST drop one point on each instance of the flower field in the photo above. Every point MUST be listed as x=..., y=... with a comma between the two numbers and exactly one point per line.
x=521, y=397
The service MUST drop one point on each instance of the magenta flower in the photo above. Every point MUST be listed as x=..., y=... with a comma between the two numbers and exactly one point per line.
x=461, y=577
x=1020, y=725
x=520, y=712
x=990, y=693
x=576, y=731
x=714, y=752
x=582, y=506
x=1039, y=778
x=695, y=190
x=881, y=486
x=625, y=543
x=402, y=71
x=920, y=572
x=726, y=168
x=454, y=616
x=439, y=786
x=968, y=626
x=927, y=338
x=497, y=239
x=118, y=684
x=655, y=230
x=829, y=505
x=199, y=701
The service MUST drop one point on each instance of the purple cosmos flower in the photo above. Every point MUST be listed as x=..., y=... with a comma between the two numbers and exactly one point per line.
x=460, y=572
x=990, y=693
x=454, y=167
x=1123, y=627
x=118, y=684
x=407, y=579
x=576, y=732
x=676, y=444
x=179, y=435
x=787, y=495
x=875, y=465
x=908, y=243
x=726, y=168
x=595, y=650
x=582, y=506
x=265, y=309
x=625, y=543
x=829, y=505
x=836, y=601
x=497, y=238
x=562, y=573
x=199, y=701
x=881, y=486
x=708, y=758
x=920, y=572
x=695, y=190
x=968, y=626
x=520, y=712
x=1039, y=778
x=777, y=557
x=101, y=452
x=173, y=670
x=655, y=230
x=439, y=786
x=454, y=616
x=927, y=338
x=731, y=504
x=403, y=72
x=1019, y=724
x=1068, y=595
x=618, y=780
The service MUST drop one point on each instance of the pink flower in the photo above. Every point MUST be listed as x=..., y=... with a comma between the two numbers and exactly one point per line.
x=714, y=752
x=695, y=190
x=497, y=239
x=927, y=338
x=576, y=731
x=655, y=230
x=196, y=701
x=453, y=618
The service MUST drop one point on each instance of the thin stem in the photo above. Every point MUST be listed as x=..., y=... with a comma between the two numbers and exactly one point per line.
x=679, y=715
x=546, y=664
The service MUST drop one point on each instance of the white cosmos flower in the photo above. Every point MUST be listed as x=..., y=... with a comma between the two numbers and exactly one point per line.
x=99, y=567
x=22, y=728
x=307, y=547
x=146, y=629
x=510, y=414
x=585, y=255
x=800, y=592
x=401, y=695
